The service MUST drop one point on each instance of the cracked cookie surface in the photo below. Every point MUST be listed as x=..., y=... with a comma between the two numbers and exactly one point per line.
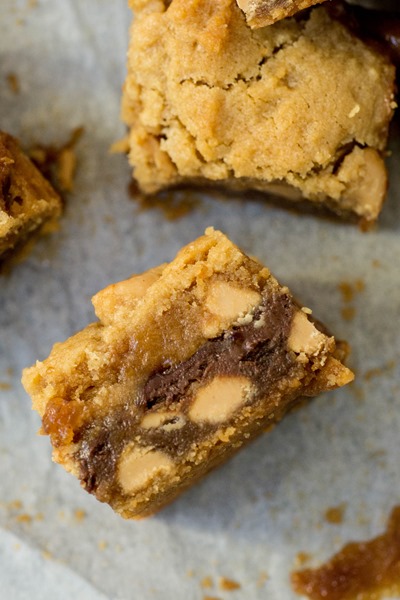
x=187, y=363
x=300, y=109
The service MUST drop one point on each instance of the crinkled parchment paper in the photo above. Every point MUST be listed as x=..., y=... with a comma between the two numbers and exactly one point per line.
x=248, y=520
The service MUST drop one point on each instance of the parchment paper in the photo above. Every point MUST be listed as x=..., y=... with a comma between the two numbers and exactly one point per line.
x=248, y=520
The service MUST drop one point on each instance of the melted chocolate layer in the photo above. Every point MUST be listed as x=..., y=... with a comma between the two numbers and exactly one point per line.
x=257, y=351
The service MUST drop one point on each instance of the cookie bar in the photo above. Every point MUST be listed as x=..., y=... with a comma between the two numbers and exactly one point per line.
x=260, y=13
x=187, y=362
x=27, y=200
x=299, y=109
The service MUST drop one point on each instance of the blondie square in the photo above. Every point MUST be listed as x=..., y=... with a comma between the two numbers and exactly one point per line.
x=27, y=200
x=187, y=363
x=260, y=13
x=299, y=109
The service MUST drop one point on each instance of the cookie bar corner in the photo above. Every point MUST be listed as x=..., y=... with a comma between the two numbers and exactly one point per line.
x=27, y=200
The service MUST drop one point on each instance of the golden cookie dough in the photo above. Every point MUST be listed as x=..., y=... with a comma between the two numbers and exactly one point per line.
x=299, y=109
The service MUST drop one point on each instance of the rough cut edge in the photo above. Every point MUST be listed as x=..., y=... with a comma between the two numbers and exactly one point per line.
x=261, y=13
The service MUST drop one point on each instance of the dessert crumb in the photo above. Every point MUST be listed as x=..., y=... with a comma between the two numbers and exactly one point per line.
x=79, y=515
x=335, y=514
x=349, y=290
x=262, y=579
x=206, y=582
x=13, y=82
x=24, y=518
x=301, y=559
x=228, y=585
x=378, y=371
x=348, y=313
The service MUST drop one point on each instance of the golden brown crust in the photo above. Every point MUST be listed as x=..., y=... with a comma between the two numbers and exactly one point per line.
x=27, y=200
x=299, y=109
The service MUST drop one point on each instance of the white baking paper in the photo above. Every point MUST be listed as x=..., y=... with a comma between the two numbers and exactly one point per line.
x=249, y=519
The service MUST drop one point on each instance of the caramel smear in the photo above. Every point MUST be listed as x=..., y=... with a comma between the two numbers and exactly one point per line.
x=361, y=570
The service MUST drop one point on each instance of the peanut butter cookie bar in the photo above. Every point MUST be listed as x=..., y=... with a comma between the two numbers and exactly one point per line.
x=260, y=13
x=299, y=109
x=27, y=200
x=188, y=362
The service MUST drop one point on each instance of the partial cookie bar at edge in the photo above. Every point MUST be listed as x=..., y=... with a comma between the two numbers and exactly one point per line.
x=187, y=363
x=260, y=13
x=300, y=109
x=28, y=202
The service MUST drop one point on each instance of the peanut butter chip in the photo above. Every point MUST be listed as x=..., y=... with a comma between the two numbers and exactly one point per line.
x=218, y=400
x=139, y=466
x=304, y=336
x=227, y=301
x=165, y=420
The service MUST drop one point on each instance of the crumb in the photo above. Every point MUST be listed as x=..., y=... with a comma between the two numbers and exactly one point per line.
x=39, y=516
x=378, y=371
x=66, y=169
x=4, y=386
x=13, y=83
x=210, y=598
x=358, y=392
x=302, y=558
x=17, y=546
x=262, y=579
x=15, y=505
x=46, y=554
x=102, y=545
x=335, y=514
x=190, y=573
x=349, y=290
x=228, y=585
x=348, y=313
x=120, y=146
x=79, y=515
x=206, y=582
x=376, y=263
x=23, y=518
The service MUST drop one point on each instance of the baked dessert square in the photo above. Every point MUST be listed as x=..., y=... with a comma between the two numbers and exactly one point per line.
x=27, y=200
x=187, y=363
x=260, y=13
x=299, y=109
